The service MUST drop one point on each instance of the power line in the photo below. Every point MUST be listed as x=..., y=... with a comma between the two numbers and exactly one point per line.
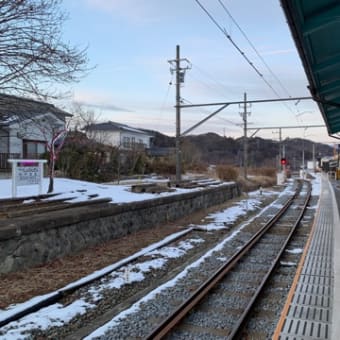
x=254, y=48
x=209, y=76
x=231, y=40
x=161, y=110
x=166, y=96
x=207, y=85
x=261, y=58
x=243, y=53
x=183, y=100
x=229, y=121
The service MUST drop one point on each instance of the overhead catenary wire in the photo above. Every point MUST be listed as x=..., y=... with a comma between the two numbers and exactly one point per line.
x=222, y=87
x=166, y=96
x=259, y=56
x=165, y=99
x=218, y=117
x=242, y=53
x=254, y=48
x=183, y=100
x=207, y=85
x=231, y=40
x=239, y=125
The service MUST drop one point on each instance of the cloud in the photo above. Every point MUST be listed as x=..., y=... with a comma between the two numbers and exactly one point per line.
x=97, y=99
x=103, y=106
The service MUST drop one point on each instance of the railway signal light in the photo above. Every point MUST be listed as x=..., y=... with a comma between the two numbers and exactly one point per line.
x=283, y=161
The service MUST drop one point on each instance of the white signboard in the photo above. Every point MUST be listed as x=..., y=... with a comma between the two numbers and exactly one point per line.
x=27, y=175
x=26, y=172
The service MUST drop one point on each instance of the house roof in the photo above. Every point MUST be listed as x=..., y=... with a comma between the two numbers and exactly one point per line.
x=315, y=27
x=13, y=109
x=113, y=126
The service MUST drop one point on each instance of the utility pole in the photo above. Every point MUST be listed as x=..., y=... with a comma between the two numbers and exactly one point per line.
x=180, y=73
x=284, y=156
x=178, y=118
x=280, y=149
x=244, y=115
x=314, y=163
x=303, y=154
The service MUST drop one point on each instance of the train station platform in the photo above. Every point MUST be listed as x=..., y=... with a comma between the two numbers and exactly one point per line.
x=312, y=308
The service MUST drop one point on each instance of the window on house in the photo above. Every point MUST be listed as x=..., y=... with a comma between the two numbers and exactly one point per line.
x=141, y=144
x=33, y=149
x=126, y=142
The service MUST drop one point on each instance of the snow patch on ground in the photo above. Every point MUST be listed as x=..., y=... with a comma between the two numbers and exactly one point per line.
x=57, y=315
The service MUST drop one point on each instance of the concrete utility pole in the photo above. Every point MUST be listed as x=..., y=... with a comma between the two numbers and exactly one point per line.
x=314, y=163
x=244, y=115
x=180, y=73
x=178, y=118
x=280, y=148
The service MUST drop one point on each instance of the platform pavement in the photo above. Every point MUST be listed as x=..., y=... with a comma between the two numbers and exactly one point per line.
x=312, y=309
x=335, y=186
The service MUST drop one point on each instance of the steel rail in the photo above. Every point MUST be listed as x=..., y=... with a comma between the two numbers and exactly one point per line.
x=172, y=320
x=235, y=333
x=56, y=296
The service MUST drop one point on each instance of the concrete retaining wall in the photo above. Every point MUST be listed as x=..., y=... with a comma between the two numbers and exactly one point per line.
x=25, y=243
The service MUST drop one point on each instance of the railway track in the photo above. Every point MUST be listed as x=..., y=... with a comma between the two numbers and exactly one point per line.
x=65, y=293
x=118, y=300
x=43, y=204
x=246, y=273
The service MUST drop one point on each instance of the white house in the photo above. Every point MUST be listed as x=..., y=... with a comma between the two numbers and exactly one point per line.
x=26, y=126
x=120, y=135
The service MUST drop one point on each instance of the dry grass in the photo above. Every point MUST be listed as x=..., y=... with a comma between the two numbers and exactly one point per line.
x=266, y=172
x=260, y=177
x=227, y=172
x=22, y=285
x=254, y=182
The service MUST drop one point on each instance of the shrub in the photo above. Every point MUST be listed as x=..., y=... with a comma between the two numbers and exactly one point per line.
x=227, y=173
x=267, y=172
x=162, y=166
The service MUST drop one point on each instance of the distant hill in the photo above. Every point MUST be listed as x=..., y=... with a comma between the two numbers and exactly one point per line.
x=211, y=148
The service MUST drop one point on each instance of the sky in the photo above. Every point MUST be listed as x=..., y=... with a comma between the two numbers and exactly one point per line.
x=123, y=272
x=129, y=44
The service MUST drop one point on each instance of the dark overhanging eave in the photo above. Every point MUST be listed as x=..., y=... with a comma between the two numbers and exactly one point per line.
x=299, y=37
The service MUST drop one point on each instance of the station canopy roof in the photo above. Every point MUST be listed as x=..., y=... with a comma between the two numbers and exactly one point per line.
x=315, y=26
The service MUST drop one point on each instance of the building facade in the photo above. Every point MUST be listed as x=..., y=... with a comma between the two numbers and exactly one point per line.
x=26, y=126
x=119, y=135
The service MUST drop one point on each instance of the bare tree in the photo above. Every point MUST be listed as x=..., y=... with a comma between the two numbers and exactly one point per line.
x=33, y=56
x=82, y=117
x=54, y=133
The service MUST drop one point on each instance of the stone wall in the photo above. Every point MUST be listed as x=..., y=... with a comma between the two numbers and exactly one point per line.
x=25, y=243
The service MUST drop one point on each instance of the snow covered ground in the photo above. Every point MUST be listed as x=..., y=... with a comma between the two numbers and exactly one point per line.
x=57, y=314
x=81, y=191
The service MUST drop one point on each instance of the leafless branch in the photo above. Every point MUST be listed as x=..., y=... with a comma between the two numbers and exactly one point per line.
x=32, y=54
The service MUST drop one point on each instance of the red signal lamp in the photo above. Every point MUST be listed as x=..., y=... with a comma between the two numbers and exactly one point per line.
x=283, y=161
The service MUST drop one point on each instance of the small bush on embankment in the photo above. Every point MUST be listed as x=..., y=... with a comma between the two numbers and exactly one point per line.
x=227, y=173
x=260, y=177
x=255, y=182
